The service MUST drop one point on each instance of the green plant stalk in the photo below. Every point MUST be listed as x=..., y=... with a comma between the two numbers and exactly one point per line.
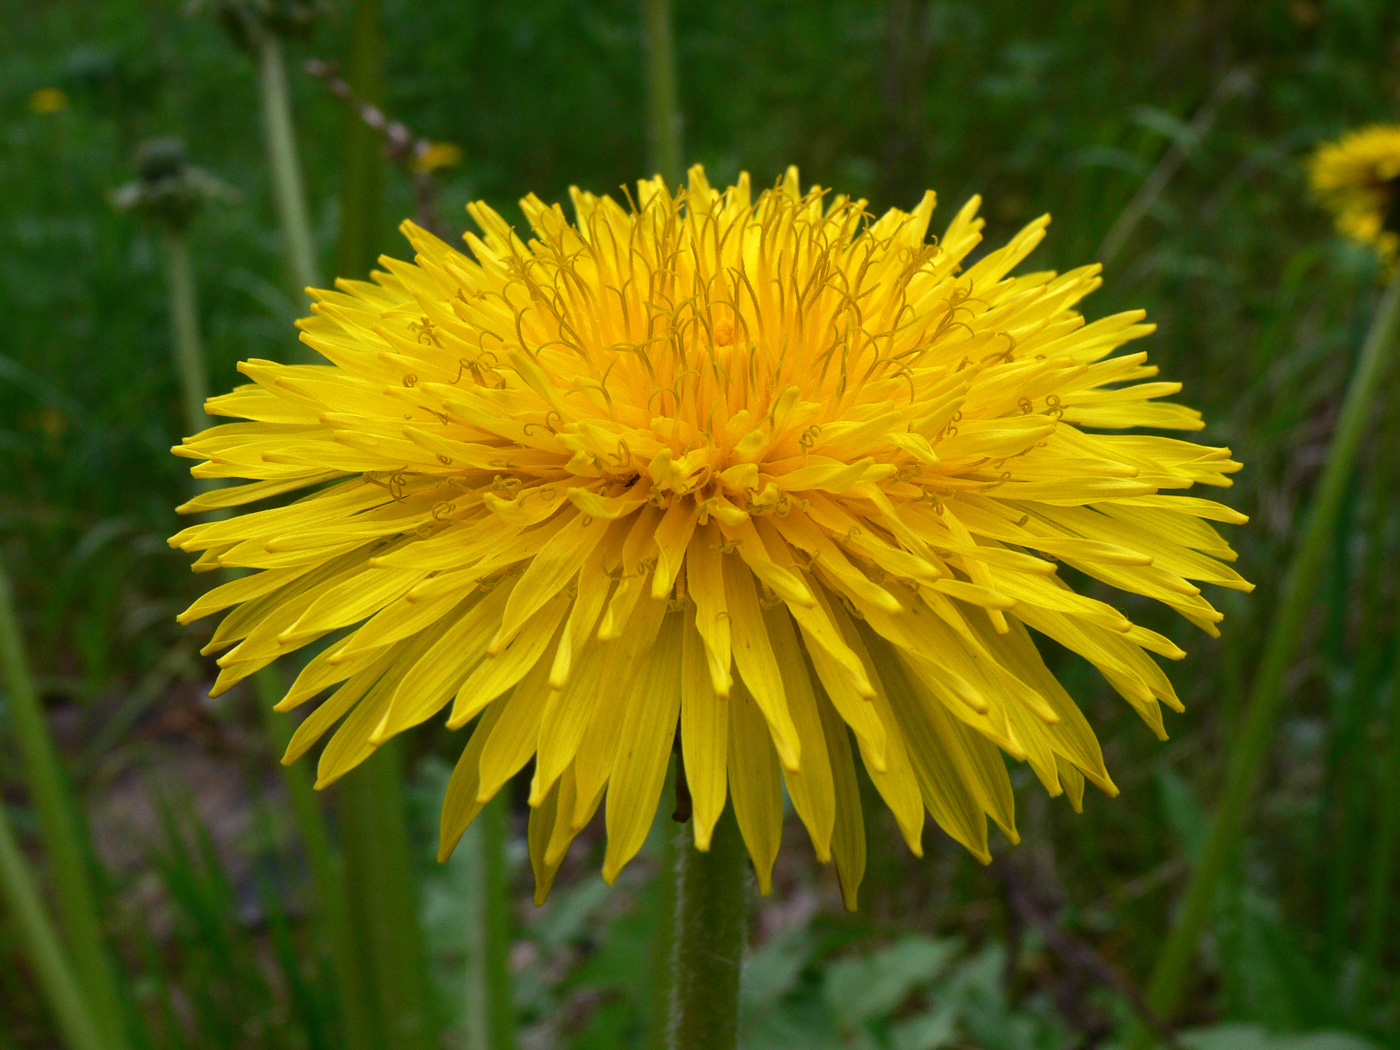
x=56, y=978
x=712, y=906
x=327, y=866
x=490, y=1011
x=285, y=167
x=662, y=902
x=1248, y=750
x=332, y=907
x=184, y=331
x=663, y=109
x=664, y=158
x=60, y=831
x=384, y=900
x=1387, y=832
x=374, y=836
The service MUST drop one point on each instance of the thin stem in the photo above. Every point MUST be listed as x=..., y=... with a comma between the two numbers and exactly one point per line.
x=360, y=170
x=384, y=898
x=490, y=1012
x=184, y=323
x=662, y=904
x=337, y=930
x=56, y=978
x=282, y=159
x=1382, y=872
x=59, y=827
x=332, y=904
x=1248, y=750
x=710, y=919
x=374, y=833
x=663, y=109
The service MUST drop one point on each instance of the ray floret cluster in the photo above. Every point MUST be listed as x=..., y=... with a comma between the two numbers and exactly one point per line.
x=765, y=479
x=1357, y=177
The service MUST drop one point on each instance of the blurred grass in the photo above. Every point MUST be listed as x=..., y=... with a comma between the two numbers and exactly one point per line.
x=1067, y=107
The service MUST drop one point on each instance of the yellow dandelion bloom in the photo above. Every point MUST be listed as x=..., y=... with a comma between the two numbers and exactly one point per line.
x=1358, y=179
x=48, y=100
x=434, y=156
x=767, y=476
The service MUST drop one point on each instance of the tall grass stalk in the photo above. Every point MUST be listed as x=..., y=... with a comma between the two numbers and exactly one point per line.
x=62, y=837
x=374, y=832
x=335, y=929
x=56, y=978
x=1249, y=747
x=284, y=164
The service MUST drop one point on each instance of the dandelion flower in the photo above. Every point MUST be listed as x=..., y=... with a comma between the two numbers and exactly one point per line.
x=47, y=100
x=434, y=156
x=1358, y=178
x=767, y=480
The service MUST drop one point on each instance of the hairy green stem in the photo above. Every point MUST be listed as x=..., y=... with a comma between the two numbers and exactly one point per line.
x=663, y=109
x=56, y=978
x=282, y=159
x=60, y=830
x=711, y=909
x=1249, y=749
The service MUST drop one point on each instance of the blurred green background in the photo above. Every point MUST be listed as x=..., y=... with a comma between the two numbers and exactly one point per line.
x=1164, y=136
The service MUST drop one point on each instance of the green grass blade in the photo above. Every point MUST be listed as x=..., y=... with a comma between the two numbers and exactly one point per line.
x=56, y=976
x=1249, y=748
x=60, y=830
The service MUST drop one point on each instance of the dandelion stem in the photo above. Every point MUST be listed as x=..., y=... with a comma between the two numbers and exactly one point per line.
x=662, y=893
x=184, y=322
x=490, y=1012
x=384, y=895
x=56, y=978
x=282, y=158
x=1249, y=749
x=336, y=928
x=332, y=905
x=374, y=833
x=710, y=918
x=60, y=832
x=663, y=109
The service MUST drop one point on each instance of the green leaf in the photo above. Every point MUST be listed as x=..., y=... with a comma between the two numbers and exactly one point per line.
x=862, y=989
x=1252, y=1037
